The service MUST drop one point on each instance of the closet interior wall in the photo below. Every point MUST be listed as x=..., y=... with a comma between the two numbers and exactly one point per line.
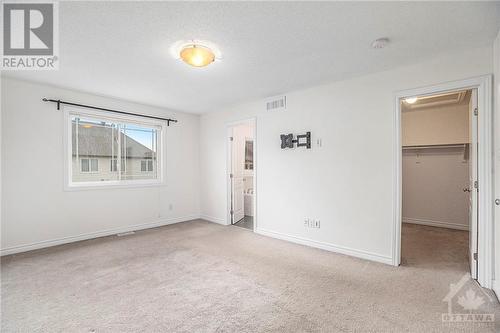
x=435, y=163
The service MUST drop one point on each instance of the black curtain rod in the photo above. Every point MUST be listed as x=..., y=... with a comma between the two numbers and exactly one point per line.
x=59, y=102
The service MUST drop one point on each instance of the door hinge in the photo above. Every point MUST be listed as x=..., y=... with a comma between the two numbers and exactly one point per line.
x=475, y=111
x=475, y=256
x=475, y=184
x=230, y=175
x=231, y=138
x=231, y=212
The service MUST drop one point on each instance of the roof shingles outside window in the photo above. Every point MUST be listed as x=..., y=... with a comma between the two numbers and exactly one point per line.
x=94, y=140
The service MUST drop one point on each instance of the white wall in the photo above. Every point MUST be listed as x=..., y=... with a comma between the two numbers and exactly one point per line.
x=38, y=212
x=436, y=125
x=348, y=182
x=433, y=182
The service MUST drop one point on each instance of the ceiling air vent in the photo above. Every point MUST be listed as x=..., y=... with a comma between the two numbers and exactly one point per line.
x=276, y=103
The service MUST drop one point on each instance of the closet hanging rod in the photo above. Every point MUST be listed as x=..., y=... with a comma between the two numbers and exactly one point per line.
x=439, y=146
x=59, y=102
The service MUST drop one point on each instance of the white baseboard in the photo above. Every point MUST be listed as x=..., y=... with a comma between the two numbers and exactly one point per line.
x=327, y=246
x=433, y=223
x=108, y=232
x=213, y=219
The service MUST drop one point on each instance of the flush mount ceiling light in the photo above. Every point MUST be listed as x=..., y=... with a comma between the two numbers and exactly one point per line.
x=411, y=100
x=380, y=43
x=195, y=53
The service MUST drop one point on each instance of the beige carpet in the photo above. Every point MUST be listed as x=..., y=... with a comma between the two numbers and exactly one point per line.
x=202, y=277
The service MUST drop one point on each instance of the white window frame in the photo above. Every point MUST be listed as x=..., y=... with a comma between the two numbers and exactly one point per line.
x=159, y=125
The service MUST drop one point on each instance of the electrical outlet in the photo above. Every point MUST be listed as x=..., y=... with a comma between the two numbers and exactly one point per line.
x=312, y=223
x=170, y=207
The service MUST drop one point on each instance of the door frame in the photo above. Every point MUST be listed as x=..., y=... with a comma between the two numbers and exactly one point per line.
x=229, y=128
x=483, y=84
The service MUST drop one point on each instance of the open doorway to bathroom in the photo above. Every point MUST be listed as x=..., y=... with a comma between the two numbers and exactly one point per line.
x=241, y=168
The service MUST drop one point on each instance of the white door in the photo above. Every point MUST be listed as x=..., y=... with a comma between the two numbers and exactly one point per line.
x=238, y=200
x=237, y=185
x=472, y=189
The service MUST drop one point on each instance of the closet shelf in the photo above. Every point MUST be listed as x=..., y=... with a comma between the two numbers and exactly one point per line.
x=438, y=146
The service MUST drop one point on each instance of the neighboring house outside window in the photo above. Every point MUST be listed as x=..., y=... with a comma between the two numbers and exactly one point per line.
x=146, y=165
x=114, y=165
x=127, y=149
x=89, y=165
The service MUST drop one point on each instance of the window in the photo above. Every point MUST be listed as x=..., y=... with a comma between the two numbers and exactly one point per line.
x=128, y=149
x=114, y=165
x=248, y=154
x=146, y=165
x=89, y=165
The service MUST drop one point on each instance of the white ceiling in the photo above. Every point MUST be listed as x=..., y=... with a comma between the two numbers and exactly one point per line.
x=122, y=49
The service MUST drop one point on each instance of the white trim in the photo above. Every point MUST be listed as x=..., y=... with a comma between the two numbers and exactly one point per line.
x=485, y=168
x=213, y=219
x=124, y=184
x=161, y=127
x=229, y=127
x=327, y=246
x=228, y=144
x=433, y=223
x=97, y=234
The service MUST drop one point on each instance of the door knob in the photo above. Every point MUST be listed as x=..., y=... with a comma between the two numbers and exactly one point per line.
x=497, y=202
x=466, y=189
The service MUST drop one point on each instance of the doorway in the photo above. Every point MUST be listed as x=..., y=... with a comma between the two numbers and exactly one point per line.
x=241, y=174
x=476, y=163
x=439, y=173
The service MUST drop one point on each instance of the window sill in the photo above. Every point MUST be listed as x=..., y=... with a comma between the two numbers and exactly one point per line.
x=110, y=186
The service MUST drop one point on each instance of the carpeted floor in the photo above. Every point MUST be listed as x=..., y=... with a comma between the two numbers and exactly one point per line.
x=202, y=277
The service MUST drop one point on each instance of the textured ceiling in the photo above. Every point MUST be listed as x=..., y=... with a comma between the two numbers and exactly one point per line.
x=121, y=49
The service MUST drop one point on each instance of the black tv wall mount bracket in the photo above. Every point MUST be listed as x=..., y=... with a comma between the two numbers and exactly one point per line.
x=303, y=140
